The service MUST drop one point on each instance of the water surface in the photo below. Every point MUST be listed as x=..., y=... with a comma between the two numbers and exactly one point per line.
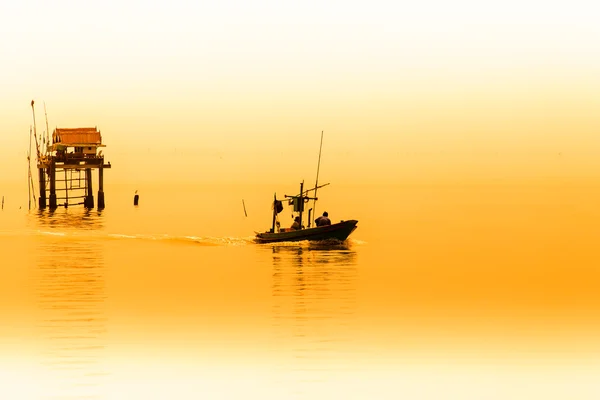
x=444, y=291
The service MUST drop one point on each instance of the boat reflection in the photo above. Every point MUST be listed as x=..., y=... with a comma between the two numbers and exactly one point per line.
x=71, y=324
x=314, y=302
x=313, y=252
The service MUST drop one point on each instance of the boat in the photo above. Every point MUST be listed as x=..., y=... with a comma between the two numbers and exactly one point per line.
x=338, y=231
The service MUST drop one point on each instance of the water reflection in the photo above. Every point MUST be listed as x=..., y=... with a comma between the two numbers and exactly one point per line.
x=314, y=294
x=71, y=325
x=80, y=218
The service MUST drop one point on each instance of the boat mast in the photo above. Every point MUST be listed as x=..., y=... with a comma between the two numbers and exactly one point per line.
x=274, y=212
x=317, y=181
x=301, y=201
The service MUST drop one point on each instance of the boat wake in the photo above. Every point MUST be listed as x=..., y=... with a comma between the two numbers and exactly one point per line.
x=164, y=238
x=95, y=236
x=198, y=240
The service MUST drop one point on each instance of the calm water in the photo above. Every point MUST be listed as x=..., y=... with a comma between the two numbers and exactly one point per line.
x=444, y=291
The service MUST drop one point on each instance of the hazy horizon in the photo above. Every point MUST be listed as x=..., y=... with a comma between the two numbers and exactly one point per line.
x=238, y=93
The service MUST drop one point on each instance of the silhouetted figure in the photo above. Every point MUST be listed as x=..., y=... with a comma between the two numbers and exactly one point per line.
x=296, y=225
x=136, y=198
x=323, y=220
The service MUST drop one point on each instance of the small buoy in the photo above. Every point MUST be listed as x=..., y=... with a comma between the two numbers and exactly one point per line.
x=136, y=198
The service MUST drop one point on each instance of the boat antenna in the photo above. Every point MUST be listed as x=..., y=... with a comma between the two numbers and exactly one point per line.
x=317, y=180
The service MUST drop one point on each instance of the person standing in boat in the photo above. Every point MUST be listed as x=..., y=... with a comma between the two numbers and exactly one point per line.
x=323, y=220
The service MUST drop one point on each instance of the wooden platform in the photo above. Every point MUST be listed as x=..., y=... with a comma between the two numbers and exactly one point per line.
x=77, y=164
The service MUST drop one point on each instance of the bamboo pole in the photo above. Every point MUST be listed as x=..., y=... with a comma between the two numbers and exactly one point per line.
x=29, y=170
x=47, y=131
x=37, y=146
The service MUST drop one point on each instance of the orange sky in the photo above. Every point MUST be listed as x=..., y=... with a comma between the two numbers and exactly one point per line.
x=418, y=92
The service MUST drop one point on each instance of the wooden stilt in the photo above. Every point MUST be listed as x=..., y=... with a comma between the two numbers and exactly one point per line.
x=52, y=177
x=42, y=198
x=89, y=200
x=101, y=187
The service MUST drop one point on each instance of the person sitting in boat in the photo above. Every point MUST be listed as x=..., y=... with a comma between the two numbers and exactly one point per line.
x=323, y=220
x=296, y=225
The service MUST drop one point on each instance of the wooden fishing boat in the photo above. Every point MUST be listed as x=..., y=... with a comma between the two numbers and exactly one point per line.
x=339, y=231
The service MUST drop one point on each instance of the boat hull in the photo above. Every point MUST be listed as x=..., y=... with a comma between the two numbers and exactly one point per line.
x=339, y=231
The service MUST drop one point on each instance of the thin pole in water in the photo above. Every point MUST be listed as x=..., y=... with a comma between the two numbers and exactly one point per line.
x=28, y=170
x=317, y=181
x=37, y=146
x=30, y=187
x=47, y=131
x=244, y=204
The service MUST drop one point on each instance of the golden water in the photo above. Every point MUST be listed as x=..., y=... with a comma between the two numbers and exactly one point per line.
x=461, y=291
